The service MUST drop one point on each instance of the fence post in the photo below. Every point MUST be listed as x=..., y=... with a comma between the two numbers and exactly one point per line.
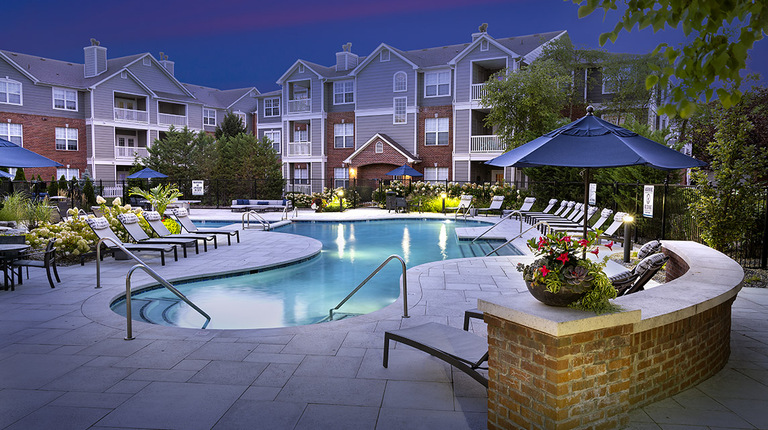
x=764, y=259
x=217, y=193
x=664, y=208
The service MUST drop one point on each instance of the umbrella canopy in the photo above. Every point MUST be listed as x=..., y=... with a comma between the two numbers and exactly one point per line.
x=13, y=155
x=404, y=170
x=146, y=173
x=591, y=142
x=5, y=175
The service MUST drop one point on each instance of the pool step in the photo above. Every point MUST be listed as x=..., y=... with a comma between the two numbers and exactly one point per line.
x=481, y=247
x=156, y=311
x=338, y=315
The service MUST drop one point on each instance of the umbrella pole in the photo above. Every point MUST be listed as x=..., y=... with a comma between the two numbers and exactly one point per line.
x=586, y=207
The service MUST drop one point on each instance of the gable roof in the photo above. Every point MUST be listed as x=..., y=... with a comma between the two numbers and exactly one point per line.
x=213, y=97
x=296, y=64
x=362, y=64
x=389, y=141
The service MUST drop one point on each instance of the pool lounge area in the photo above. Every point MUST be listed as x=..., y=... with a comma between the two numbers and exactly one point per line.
x=64, y=363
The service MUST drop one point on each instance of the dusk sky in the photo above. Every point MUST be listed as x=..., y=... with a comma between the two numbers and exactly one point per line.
x=237, y=43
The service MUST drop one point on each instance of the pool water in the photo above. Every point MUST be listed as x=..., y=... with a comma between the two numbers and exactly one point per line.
x=303, y=293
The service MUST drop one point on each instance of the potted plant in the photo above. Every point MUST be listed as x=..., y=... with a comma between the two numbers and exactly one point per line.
x=562, y=276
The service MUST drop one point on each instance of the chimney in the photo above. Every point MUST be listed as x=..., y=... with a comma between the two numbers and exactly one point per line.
x=482, y=30
x=166, y=63
x=95, y=59
x=346, y=60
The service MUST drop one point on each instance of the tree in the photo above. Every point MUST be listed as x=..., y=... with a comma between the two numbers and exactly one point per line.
x=230, y=126
x=625, y=76
x=20, y=175
x=242, y=159
x=526, y=103
x=181, y=154
x=719, y=36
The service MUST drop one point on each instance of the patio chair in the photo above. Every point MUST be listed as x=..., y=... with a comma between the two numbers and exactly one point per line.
x=496, y=203
x=100, y=227
x=155, y=222
x=550, y=205
x=463, y=350
x=634, y=280
x=527, y=205
x=131, y=223
x=48, y=262
x=183, y=217
x=605, y=214
x=464, y=203
x=566, y=209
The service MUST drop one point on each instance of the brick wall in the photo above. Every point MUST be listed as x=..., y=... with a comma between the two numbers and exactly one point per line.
x=675, y=267
x=390, y=157
x=442, y=154
x=39, y=135
x=336, y=155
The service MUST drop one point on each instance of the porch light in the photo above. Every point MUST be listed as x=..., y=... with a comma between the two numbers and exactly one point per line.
x=628, y=220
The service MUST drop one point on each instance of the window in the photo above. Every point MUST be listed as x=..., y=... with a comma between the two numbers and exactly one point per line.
x=379, y=147
x=68, y=174
x=209, y=116
x=437, y=84
x=124, y=74
x=435, y=174
x=400, y=116
x=242, y=118
x=343, y=135
x=11, y=133
x=340, y=177
x=343, y=92
x=300, y=132
x=436, y=131
x=300, y=174
x=400, y=82
x=301, y=68
x=10, y=92
x=66, y=139
x=64, y=99
x=146, y=61
x=274, y=136
x=384, y=55
x=272, y=107
x=483, y=45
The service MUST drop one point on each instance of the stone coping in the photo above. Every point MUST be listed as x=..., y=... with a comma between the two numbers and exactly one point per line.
x=712, y=279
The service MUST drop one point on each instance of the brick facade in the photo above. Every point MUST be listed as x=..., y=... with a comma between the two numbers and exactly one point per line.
x=440, y=154
x=39, y=135
x=336, y=156
x=371, y=165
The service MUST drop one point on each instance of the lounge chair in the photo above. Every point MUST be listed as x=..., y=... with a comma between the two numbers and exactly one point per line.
x=183, y=217
x=605, y=214
x=567, y=208
x=632, y=281
x=465, y=203
x=48, y=262
x=575, y=218
x=463, y=350
x=550, y=205
x=496, y=203
x=131, y=223
x=527, y=205
x=100, y=227
x=155, y=222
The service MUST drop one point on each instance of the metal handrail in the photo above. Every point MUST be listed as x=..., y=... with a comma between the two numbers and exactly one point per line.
x=286, y=212
x=381, y=266
x=151, y=273
x=466, y=210
x=245, y=220
x=505, y=217
x=521, y=233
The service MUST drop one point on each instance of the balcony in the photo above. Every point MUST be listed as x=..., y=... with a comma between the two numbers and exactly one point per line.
x=299, y=148
x=169, y=119
x=298, y=188
x=302, y=105
x=131, y=115
x=490, y=143
x=478, y=91
x=130, y=152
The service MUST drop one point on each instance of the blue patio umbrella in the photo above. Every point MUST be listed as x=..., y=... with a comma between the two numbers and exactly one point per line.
x=5, y=175
x=13, y=155
x=404, y=170
x=591, y=142
x=146, y=173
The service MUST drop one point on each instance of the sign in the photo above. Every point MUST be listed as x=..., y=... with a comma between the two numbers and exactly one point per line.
x=198, y=189
x=648, y=201
x=592, y=194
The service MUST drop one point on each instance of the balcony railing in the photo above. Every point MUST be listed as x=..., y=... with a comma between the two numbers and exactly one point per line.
x=132, y=115
x=130, y=152
x=169, y=119
x=478, y=91
x=298, y=188
x=490, y=143
x=303, y=105
x=299, y=148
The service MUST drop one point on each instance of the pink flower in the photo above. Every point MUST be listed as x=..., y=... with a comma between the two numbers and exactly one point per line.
x=595, y=251
x=584, y=242
x=542, y=242
x=566, y=239
x=610, y=245
x=563, y=257
x=544, y=271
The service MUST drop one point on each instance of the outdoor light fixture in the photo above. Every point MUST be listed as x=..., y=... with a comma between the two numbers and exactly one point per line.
x=352, y=173
x=628, y=220
x=443, y=196
x=340, y=193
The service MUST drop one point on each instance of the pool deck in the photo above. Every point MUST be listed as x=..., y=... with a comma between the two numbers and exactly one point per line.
x=64, y=363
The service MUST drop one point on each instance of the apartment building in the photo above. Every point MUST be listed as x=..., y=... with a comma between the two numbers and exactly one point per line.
x=101, y=114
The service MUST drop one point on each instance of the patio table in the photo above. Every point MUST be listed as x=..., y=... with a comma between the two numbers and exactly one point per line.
x=9, y=252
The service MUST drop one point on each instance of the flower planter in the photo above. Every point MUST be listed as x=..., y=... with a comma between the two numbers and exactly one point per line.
x=564, y=297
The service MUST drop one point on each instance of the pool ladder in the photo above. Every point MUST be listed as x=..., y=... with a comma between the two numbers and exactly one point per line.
x=246, y=220
x=521, y=233
x=381, y=266
x=150, y=272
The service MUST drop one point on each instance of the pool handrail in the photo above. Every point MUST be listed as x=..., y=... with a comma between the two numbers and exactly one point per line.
x=464, y=213
x=245, y=220
x=499, y=222
x=521, y=233
x=381, y=266
x=285, y=215
x=150, y=272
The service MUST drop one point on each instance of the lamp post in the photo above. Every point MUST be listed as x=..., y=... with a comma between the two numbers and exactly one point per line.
x=628, y=220
x=340, y=193
x=443, y=196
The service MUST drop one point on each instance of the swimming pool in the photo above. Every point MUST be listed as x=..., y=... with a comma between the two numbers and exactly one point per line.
x=303, y=293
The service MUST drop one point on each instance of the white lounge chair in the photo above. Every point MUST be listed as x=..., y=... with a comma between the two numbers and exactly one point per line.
x=496, y=203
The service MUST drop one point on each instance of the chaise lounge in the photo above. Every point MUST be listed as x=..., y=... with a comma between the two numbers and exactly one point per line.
x=100, y=227
x=183, y=217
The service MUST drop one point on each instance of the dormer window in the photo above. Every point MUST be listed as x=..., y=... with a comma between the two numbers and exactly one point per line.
x=384, y=55
x=10, y=91
x=124, y=74
x=146, y=61
x=483, y=45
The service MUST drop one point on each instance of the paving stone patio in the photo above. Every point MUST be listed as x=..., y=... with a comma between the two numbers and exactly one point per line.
x=64, y=363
